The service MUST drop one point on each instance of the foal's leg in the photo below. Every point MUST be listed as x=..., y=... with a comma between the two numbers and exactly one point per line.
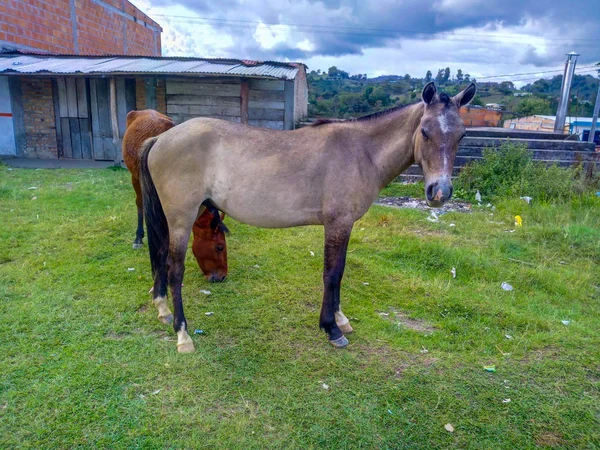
x=139, y=234
x=332, y=319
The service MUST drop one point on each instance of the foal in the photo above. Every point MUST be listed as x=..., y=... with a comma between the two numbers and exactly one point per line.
x=324, y=175
x=209, y=246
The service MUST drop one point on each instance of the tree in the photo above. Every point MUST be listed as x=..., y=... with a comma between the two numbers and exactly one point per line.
x=533, y=105
x=467, y=78
x=428, y=76
x=446, y=75
x=407, y=77
x=459, y=76
x=440, y=76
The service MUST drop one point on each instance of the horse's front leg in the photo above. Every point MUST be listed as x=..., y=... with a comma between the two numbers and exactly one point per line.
x=332, y=319
x=139, y=234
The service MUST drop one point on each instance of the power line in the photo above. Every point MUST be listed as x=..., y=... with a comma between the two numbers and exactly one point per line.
x=531, y=73
x=363, y=30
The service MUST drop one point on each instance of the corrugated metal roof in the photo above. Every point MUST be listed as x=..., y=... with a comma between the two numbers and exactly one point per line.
x=65, y=65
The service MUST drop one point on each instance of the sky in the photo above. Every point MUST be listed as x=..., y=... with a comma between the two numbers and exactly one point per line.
x=484, y=38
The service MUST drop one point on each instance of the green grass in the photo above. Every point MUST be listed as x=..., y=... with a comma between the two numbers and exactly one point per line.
x=85, y=363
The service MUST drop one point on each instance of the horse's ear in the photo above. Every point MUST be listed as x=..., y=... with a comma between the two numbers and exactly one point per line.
x=465, y=96
x=428, y=93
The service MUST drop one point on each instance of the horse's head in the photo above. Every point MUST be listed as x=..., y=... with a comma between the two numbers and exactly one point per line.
x=210, y=248
x=436, y=140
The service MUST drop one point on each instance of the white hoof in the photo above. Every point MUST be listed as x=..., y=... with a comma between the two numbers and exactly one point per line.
x=184, y=342
x=342, y=322
x=137, y=246
x=164, y=313
x=339, y=342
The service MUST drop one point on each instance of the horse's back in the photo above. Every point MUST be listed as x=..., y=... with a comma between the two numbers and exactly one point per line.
x=142, y=125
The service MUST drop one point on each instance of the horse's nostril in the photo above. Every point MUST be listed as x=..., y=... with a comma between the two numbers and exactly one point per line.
x=429, y=192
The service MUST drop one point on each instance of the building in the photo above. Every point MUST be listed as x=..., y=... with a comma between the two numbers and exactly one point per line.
x=573, y=125
x=61, y=106
x=478, y=116
x=82, y=27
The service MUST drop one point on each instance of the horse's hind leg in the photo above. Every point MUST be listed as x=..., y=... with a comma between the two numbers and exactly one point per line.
x=139, y=234
x=332, y=319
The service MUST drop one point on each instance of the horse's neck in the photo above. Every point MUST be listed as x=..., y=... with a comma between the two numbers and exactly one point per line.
x=393, y=135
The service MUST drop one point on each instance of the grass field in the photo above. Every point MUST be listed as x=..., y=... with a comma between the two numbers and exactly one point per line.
x=85, y=364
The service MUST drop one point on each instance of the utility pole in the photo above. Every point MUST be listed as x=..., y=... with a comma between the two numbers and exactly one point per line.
x=563, y=104
x=596, y=108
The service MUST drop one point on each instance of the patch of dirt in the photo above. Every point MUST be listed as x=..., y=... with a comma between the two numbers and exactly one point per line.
x=420, y=325
x=549, y=439
x=114, y=335
x=551, y=352
x=420, y=204
x=142, y=308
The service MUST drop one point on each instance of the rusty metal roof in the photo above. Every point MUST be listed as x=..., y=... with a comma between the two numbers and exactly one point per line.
x=77, y=65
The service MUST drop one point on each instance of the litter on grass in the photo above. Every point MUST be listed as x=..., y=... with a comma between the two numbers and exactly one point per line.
x=518, y=221
x=433, y=217
x=325, y=386
x=566, y=322
x=506, y=400
x=205, y=292
x=489, y=368
x=210, y=313
x=449, y=428
x=508, y=336
x=198, y=331
x=527, y=199
x=506, y=286
x=478, y=196
x=453, y=272
x=312, y=253
x=365, y=283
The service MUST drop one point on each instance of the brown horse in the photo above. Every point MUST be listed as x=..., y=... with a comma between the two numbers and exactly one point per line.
x=209, y=246
x=326, y=175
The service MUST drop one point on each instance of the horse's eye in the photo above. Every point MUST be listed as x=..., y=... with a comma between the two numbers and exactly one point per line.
x=220, y=248
x=424, y=134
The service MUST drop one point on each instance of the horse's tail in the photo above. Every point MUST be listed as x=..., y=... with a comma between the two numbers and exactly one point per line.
x=156, y=222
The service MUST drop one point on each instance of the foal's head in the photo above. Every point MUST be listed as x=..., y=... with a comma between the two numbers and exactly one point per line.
x=209, y=247
x=437, y=138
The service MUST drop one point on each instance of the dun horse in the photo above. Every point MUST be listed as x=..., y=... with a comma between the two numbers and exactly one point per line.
x=209, y=246
x=327, y=175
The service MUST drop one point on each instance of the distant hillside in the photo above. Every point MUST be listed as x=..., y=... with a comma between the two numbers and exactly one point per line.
x=336, y=93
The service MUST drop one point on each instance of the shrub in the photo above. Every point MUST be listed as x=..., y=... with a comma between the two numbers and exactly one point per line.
x=509, y=171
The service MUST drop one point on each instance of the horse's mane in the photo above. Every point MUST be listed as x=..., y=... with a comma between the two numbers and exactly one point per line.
x=385, y=112
x=442, y=98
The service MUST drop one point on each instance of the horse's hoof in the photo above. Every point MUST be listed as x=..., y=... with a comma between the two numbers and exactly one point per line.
x=346, y=328
x=186, y=347
x=137, y=246
x=339, y=342
x=167, y=320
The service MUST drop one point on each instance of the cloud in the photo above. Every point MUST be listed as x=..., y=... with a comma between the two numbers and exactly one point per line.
x=420, y=34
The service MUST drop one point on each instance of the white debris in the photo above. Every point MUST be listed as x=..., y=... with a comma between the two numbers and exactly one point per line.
x=449, y=426
x=205, y=292
x=451, y=225
x=151, y=290
x=257, y=266
x=156, y=392
x=433, y=217
x=478, y=196
x=423, y=350
x=566, y=322
x=527, y=199
x=365, y=283
x=384, y=314
x=362, y=229
x=32, y=188
x=131, y=269
x=325, y=386
x=453, y=272
x=312, y=253
x=34, y=198
x=209, y=313
x=489, y=205
x=508, y=336
x=506, y=400
x=506, y=286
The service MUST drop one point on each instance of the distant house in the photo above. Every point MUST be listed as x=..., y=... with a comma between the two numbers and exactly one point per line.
x=521, y=94
x=478, y=116
x=494, y=105
x=573, y=125
x=74, y=106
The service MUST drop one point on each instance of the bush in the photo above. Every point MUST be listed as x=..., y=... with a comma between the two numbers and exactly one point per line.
x=510, y=171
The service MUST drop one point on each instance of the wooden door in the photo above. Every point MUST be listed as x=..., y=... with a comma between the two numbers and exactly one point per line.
x=105, y=148
x=74, y=129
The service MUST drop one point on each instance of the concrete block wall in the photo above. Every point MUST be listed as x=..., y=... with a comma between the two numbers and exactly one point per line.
x=87, y=27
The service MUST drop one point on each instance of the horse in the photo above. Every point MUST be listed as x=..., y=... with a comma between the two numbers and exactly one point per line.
x=327, y=175
x=209, y=245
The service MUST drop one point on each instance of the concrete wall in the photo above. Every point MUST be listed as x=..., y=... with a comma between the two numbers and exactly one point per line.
x=300, y=95
x=78, y=27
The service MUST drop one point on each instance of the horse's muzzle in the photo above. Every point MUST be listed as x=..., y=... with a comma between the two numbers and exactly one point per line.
x=438, y=192
x=216, y=278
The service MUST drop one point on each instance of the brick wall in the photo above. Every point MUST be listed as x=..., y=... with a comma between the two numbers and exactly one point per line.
x=38, y=111
x=480, y=117
x=101, y=27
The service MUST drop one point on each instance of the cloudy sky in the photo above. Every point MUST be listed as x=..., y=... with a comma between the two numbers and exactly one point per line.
x=485, y=38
